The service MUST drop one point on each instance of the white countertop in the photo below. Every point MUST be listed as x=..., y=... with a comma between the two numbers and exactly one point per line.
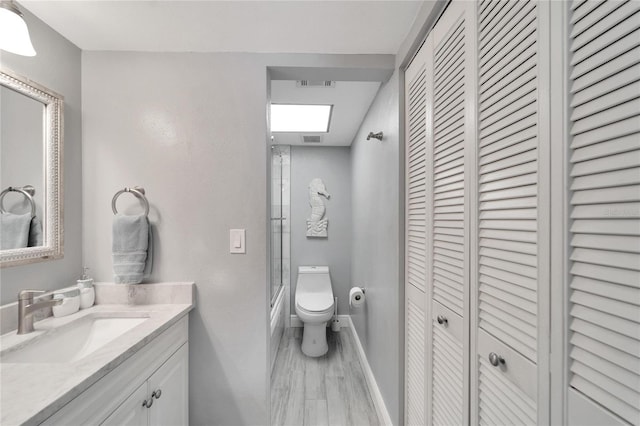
x=30, y=393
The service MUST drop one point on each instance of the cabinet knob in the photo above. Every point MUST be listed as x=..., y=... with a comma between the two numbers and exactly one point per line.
x=156, y=394
x=496, y=359
x=147, y=403
x=442, y=320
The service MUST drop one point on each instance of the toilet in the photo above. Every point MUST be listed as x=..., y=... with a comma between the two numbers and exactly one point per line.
x=314, y=306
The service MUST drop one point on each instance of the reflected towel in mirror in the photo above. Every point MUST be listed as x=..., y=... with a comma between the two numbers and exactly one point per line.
x=20, y=231
x=14, y=230
x=35, y=232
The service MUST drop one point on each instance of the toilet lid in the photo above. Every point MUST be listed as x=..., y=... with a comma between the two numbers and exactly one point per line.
x=315, y=302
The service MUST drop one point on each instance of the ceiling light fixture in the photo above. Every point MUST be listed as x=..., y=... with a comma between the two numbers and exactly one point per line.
x=14, y=34
x=300, y=118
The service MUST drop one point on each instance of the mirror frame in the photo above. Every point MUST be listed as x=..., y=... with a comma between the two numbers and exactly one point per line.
x=53, y=221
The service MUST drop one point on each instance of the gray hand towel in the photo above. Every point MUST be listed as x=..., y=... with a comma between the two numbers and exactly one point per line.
x=131, y=248
x=35, y=232
x=14, y=229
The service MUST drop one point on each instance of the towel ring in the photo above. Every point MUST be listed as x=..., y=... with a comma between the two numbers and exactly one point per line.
x=138, y=192
x=28, y=191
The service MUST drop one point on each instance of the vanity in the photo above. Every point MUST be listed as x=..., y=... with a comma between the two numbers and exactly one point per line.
x=124, y=361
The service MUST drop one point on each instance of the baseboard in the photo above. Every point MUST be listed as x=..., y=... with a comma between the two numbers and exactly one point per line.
x=344, y=321
x=381, y=408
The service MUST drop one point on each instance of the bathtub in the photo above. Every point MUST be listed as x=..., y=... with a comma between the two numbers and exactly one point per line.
x=277, y=324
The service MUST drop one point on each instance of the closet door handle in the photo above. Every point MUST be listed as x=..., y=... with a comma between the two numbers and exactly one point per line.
x=496, y=359
x=442, y=320
x=156, y=394
x=147, y=403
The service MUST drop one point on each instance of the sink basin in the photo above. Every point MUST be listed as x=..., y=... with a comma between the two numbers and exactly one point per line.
x=72, y=341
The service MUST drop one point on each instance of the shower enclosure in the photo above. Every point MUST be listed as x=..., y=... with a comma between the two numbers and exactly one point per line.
x=280, y=237
x=280, y=165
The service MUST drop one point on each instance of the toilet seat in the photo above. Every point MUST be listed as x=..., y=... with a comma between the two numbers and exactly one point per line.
x=329, y=310
x=315, y=302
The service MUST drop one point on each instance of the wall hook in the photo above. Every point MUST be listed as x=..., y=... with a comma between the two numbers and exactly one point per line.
x=375, y=136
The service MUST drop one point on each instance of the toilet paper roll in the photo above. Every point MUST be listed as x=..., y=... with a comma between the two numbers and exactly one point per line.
x=356, y=297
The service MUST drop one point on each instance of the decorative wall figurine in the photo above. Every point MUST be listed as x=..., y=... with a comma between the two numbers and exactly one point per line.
x=317, y=224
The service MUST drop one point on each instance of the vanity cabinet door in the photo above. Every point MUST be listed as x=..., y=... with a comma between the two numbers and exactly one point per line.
x=169, y=388
x=131, y=412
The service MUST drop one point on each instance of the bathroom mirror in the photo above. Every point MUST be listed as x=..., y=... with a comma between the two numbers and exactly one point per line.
x=31, y=141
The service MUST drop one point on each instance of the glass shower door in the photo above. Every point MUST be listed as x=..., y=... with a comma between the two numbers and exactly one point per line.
x=279, y=218
x=276, y=226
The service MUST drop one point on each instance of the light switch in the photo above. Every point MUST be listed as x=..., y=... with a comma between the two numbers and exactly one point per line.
x=237, y=241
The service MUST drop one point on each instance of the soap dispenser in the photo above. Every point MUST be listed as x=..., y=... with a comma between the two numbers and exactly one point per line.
x=87, y=292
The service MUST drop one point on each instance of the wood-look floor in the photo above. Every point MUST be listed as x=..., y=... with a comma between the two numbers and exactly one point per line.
x=329, y=390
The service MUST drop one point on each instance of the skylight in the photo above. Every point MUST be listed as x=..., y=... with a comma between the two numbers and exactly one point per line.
x=300, y=118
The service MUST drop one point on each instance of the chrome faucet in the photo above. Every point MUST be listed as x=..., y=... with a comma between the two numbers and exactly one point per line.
x=26, y=309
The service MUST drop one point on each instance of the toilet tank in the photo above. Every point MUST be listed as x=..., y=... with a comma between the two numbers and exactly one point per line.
x=313, y=279
x=313, y=270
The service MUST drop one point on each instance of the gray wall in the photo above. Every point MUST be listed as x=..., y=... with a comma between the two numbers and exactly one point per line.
x=376, y=245
x=58, y=67
x=332, y=165
x=188, y=128
x=191, y=129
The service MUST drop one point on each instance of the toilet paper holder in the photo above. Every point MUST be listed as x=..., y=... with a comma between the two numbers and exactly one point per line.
x=356, y=299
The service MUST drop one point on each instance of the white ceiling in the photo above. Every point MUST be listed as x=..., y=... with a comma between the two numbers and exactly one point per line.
x=350, y=100
x=302, y=26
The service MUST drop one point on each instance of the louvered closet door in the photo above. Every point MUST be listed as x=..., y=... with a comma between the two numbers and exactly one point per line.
x=511, y=210
x=448, y=391
x=604, y=310
x=452, y=130
x=416, y=257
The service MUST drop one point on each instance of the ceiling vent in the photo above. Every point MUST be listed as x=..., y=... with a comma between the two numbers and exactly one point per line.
x=311, y=138
x=315, y=83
